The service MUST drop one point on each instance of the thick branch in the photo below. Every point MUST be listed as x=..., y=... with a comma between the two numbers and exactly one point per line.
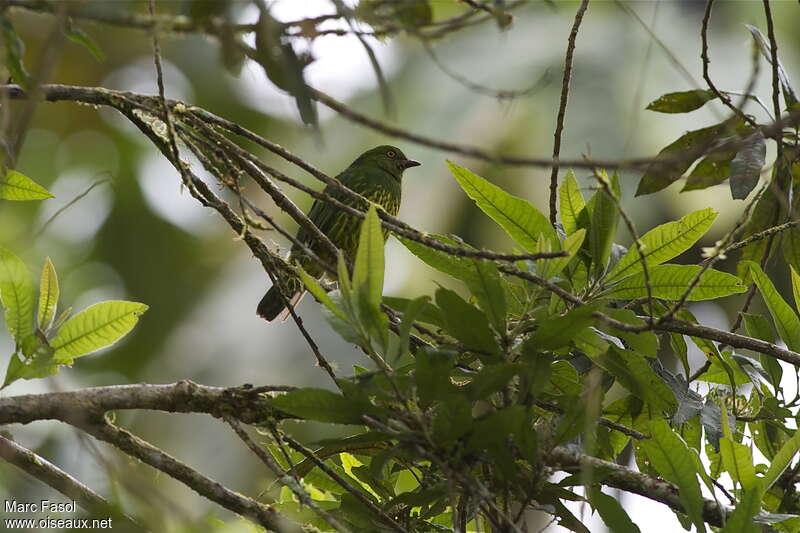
x=630, y=481
x=241, y=403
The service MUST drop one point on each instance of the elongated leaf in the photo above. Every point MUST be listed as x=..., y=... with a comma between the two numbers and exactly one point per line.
x=458, y=267
x=557, y=331
x=712, y=170
x=670, y=456
x=795, y=286
x=465, y=322
x=789, y=96
x=17, y=186
x=549, y=268
x=48, y=295
x=768, y=211
x=368, y=269
x=781, y=461
x=669, y=166
x=428, y=313
x=644, y=342
x=78, y=36
x=738, y=462
x=741, y=519
x=603, y=228
x=487, y=287
x=669, y=282
x=681, y=102
x=612, y=512
x=17, y=295
x=786, y=321
x=319, y=293
x=746, y=166
x=571, y=203
x=410, y=314
x=97, y=326
x=664, y=242
x=15, y=51
x=321, y=405
x=635, y=374
x=523, y=222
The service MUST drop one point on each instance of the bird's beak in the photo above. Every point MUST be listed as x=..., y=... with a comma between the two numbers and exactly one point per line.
x=408, y=163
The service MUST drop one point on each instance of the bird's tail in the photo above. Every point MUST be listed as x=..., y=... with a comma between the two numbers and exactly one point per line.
x=272, y=305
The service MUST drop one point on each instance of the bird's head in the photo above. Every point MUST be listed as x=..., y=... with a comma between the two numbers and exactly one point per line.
x=389, y=158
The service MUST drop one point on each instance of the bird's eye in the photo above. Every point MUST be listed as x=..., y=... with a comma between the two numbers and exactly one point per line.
x=391, y=153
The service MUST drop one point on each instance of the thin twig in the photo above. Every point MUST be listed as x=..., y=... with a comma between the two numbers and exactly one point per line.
x=66, y=206
x=284, y=478
x=562, y=108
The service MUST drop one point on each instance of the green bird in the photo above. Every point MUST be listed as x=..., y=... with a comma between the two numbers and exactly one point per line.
x=377, y=176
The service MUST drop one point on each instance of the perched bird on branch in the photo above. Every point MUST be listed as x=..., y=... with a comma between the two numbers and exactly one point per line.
x=376, y=175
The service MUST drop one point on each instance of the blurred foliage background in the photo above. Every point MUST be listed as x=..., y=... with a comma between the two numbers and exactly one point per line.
x=136, y=235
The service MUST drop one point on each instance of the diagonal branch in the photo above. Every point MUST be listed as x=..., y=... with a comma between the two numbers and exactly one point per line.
x=48, y=473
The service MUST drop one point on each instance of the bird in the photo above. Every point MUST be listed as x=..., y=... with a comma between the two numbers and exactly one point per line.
x=376, y=175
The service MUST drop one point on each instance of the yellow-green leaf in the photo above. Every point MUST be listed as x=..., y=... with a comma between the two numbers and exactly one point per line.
x=17, y=186
x=664, y=242
x=368, y=269
x=97, y=326
x=17, y=293
x=782, y=460
x=319, y=293
x=571, y=203
x=669, y=282
x=48, y=295
x=671, y=457
x=786, y=321
x=523, y=222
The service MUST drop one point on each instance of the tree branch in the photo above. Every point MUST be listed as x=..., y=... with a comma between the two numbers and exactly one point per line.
x=48, y=473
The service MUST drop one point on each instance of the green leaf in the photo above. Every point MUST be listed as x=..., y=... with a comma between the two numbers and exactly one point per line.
x=557, y=331
x=414, y=309
x=491, y=379
x=786, y=321
x=78, y=36
x=97, y=326
x=612, y=512
x=670, y=456
x=368, y=269
x=465, y=322
x=432, y=376
x=523, y=222
x=741, y=519
x=429, y=313
x=16, y=186
x=781, y=461
x=487, y=288
x=664, y=242
x=549, y=268
x=738, y=462
x=644, y=342
x=17, y=295
x=457, y=267
x=603, y=228
x=746, y=166
x=15, y=50
x=681, y=102
x=795, y=286
x=571, y=203
x=40, y=366
x=712, y=170
x=322, y=405
x=669, y=282
x=48, y=296
x=668, y=166
x=319, y=293
x=635, y=374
